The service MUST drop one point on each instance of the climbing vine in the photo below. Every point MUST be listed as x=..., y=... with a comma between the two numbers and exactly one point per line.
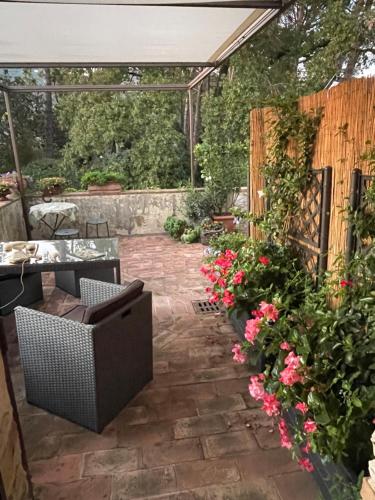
x=287, y=170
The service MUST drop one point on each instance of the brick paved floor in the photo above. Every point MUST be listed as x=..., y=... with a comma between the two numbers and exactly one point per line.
x=192, y=434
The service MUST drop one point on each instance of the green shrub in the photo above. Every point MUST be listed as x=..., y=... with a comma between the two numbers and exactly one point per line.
x=191, y=235
x=175, y=227
x=101, y=178
x=231, y=241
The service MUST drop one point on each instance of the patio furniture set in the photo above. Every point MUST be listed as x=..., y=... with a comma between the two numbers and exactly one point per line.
x=53, y=214
x=88, y=363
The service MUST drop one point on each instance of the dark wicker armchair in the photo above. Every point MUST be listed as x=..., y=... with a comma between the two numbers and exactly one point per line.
x=86, y=365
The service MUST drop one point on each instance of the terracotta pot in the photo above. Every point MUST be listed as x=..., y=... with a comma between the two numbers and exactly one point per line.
x=227, y=220
x=110, y=187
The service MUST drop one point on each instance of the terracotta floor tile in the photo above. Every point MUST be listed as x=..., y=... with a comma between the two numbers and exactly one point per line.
x=153, y=448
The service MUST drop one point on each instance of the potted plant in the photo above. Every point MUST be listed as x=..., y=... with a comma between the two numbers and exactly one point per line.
x=4, y=191
x=51, y=186
x=223, y=172
x=209, y=230
x=97, y=181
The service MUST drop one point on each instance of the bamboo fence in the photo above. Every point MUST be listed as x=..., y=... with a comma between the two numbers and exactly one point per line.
x=346, y=132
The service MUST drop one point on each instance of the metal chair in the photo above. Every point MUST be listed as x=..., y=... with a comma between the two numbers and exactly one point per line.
x=66, y=233
x=96, y=222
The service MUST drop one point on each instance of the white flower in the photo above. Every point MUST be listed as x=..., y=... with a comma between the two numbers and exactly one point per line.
x=261, y=194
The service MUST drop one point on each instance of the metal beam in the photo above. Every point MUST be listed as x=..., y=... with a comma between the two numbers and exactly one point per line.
x=261, y=22
x=191, y=138
x=17, y=162
x=17, y=89
x=114, y=64
x=242, y=4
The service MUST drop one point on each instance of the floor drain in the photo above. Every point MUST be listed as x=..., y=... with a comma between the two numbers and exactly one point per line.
x=205, y=307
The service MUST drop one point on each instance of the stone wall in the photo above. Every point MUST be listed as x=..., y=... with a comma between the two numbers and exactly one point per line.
x=12, y=224
x=128, y=213
x=13, y=476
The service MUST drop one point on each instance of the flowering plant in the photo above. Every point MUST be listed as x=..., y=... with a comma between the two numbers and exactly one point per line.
x=256, y=271
x=320, y=364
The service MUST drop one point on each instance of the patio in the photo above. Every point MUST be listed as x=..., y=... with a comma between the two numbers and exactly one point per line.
x=193, y=433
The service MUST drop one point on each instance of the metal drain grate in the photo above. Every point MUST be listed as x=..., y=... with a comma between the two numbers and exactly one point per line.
x=205, y=307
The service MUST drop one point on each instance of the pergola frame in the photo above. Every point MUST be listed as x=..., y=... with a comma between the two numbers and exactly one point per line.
x=275, y=7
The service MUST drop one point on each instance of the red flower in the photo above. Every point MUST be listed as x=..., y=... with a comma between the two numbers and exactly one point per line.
x=230, y=255
x=302, y=407
x=264, y=260
x=271, y=405
x=346, y=283
x=306, y=448
x=257, y=314
x=306, y=464
x=310, y=426
x=214, y=298
x=238, y=277
x=285, y=346
x=286, y=442
x=228, y=298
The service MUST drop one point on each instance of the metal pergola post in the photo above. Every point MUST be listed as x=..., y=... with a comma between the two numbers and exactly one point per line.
x=17, y=162
x=191, y=137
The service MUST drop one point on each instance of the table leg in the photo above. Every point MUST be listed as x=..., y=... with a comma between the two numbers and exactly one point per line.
x=118, y=273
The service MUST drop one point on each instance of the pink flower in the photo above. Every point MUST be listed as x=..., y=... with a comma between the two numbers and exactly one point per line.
x=228, y=298
x=208, y=289
x=211, y=276
x=252, y=329
x=271, y=405
x=230, y=255
x=306, y=448
x=284, y=435
x=264, y=260
x=306, y=464
x=346, y=283
x=293, y=361
x=204, y=270
x=221, y=282
x=302, y=407
x=214, y=298
x=289, y=376
x=257, y=314
x=239, y=357
x=238, y=277
x=269, y=311
x=285, y=346
x=310, y=426
x=256, y=388
x=223, y=263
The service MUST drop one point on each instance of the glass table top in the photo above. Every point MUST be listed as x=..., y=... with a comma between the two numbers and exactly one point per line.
x=59, y=251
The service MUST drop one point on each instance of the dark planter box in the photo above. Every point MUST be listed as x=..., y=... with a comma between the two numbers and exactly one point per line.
x=327, y=475
x=238, y=319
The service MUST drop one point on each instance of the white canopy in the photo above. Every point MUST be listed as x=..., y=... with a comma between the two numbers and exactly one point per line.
x=127, y=32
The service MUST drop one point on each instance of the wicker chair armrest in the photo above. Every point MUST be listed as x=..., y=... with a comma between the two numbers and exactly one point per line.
x=29, y=321
x=93, y=292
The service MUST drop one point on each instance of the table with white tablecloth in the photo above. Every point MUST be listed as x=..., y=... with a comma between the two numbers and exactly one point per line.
x=53, y=214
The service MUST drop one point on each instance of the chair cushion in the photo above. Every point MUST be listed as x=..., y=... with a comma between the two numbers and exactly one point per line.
x=76, y=313
x=94, y=314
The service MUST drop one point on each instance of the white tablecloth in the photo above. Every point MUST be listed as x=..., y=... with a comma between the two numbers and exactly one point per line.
x=37, y=212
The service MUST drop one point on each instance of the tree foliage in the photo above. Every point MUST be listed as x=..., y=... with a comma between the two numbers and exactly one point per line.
x=145, y=135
